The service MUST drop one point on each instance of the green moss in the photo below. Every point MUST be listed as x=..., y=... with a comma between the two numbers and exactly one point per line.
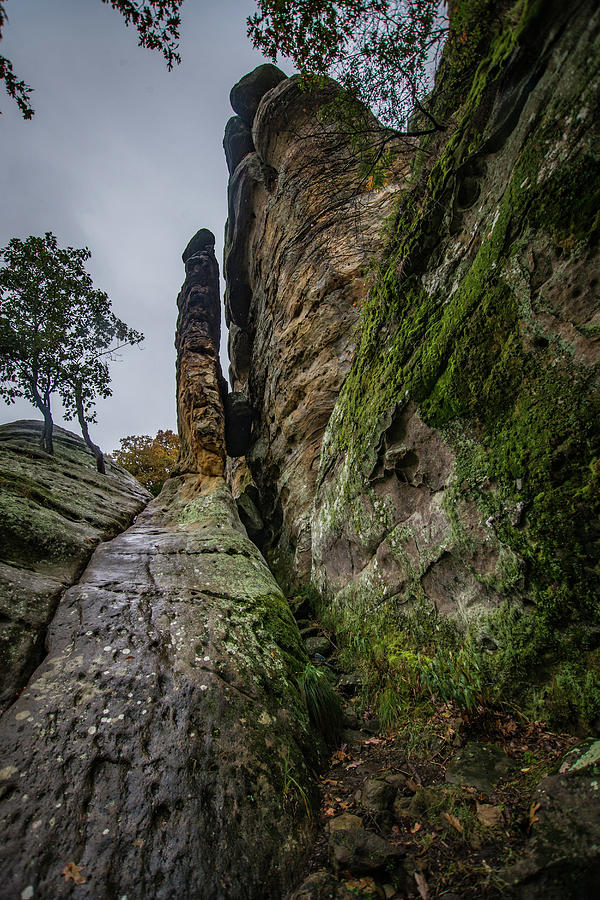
x=523, y=418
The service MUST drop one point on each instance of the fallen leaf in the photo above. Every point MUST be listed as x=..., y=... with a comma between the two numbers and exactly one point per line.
x=74, y=872
x=526, y=769
x=373, y=741
x=339, y=756
x=329, y=781
x=489, y=815
x=329, y=812
x=422, y=886
x=532, y=813
x=416, y=827
x=354, y=765
x=449, y=817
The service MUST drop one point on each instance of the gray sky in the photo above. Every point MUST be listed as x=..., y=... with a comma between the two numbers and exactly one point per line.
x=125, y=158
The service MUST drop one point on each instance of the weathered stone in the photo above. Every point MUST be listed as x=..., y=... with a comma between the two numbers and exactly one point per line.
x=246, y=95
x=53, y=511
x=203, y=241
x=377, y=795
x=150, y=745
x=294, y=284
x=250, y=516
x=318, y=645
x=478, y=765
x=238, y=424
x=237, y=142
x=345, y=822
x=200, y=383
x=562, y=857
x=320, y=885
x=362, y=852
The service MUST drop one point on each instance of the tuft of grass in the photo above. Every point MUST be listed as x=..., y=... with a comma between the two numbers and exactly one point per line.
x=322, y=702
x=292, y=788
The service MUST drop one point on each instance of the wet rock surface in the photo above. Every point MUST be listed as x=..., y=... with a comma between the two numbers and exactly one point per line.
x=148, y=750
x=53, y=512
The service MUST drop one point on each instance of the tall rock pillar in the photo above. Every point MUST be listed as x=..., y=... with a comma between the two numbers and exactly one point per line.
x=200, y=383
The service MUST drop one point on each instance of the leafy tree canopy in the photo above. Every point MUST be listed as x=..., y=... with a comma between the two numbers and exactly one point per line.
x=149, y=459
x=382, y=52
x=157, y=23
x=57, y=332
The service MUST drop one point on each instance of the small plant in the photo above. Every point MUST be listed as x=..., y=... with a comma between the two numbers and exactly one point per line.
x=453, y=676
x=322, y=702
x=292, y=787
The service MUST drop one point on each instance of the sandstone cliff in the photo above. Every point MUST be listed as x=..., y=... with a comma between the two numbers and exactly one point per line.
x=301, y=229
x=163, y=747
x=455, y=423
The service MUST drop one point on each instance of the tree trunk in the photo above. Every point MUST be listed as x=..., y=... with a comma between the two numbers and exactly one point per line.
x=46, y=442
x=98, y=454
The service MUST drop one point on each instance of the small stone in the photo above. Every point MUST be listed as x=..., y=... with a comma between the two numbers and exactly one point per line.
x=377, y=795
x=397, y=780
x=27, y=893
x=318, y=645
x=318, y=886
x=345, y=822
x=361, y=852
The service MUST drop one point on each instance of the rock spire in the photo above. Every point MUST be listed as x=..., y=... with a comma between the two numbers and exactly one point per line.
x=200, y=383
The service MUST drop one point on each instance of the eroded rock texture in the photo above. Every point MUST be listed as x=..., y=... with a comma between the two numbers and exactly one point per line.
x=150, y=747
x=302, y=226
x=464, y=438
x=200, y=384
x=53, y=512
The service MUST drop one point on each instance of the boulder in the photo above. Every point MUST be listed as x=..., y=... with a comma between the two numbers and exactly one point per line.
x=320, y=885
x=562, y=857
x=246, y=95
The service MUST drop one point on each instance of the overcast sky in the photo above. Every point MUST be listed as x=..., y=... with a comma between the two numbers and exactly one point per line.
x=125, y=158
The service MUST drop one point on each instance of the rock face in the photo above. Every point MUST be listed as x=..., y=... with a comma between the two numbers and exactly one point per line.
x=441, y=479
x=200, y=384
x=53, y=512
x=438, y=456
x=294, y=285
x=163, y=747
x=150, y=747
